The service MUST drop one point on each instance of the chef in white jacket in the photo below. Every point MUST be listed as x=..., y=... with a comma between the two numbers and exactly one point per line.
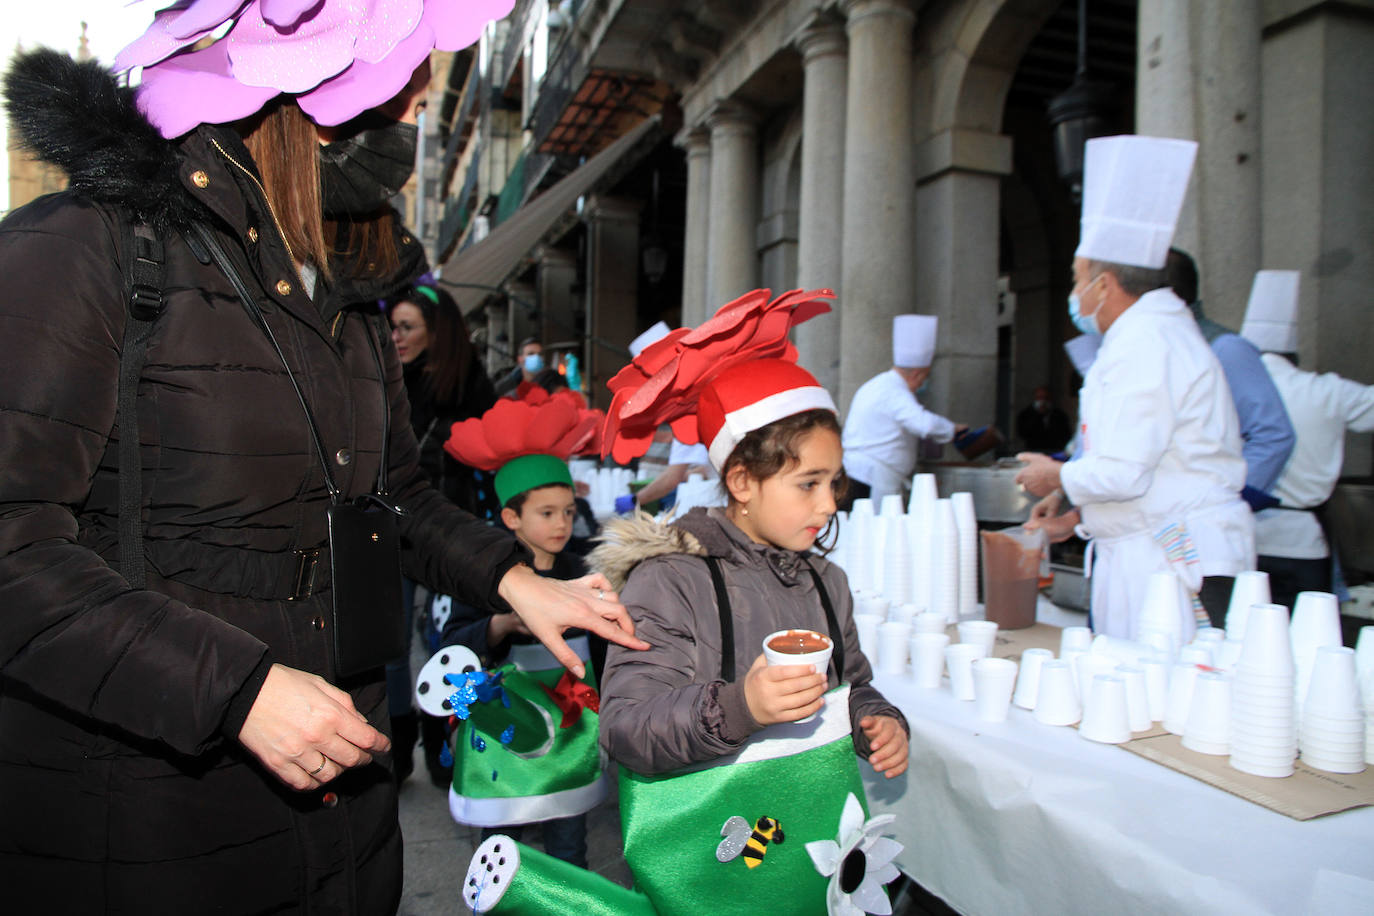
x=885, y=422
x=1292, y=547
x=1157, y=486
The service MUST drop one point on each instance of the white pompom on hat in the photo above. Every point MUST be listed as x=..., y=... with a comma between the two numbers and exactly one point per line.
x=913, y=340
x=1133, y=190
x=1271, y=317
x=749, y=397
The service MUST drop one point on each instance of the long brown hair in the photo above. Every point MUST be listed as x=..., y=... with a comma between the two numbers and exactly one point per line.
x=285, y=147
x=450, y=354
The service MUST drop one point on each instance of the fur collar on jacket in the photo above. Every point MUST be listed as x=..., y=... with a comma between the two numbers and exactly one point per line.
x=76, y=116
x=625, y=543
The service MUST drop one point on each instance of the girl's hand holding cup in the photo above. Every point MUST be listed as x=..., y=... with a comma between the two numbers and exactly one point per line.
x=786, y=683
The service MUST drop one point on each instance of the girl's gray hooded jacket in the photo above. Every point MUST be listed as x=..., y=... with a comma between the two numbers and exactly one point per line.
x=668, y=707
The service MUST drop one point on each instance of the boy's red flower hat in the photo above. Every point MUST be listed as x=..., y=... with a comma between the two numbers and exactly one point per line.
x=557, y=424
x=664, y=383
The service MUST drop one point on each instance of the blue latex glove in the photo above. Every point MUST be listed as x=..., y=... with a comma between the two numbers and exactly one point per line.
x=624, y=504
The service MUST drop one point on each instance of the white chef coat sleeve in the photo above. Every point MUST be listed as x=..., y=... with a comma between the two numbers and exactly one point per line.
x=920, y=422
x=1350, y=401
x=1125, y=442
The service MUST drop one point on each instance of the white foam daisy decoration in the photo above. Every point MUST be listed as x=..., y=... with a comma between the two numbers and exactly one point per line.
x=858, y=863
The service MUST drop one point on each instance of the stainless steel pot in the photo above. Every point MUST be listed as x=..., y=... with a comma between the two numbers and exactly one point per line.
x=996, y=495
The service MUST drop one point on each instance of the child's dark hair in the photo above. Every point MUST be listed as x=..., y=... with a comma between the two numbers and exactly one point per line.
x=517, y=502
x=773, y=448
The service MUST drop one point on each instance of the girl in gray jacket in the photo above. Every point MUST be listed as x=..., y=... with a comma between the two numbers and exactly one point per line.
x=705, y=590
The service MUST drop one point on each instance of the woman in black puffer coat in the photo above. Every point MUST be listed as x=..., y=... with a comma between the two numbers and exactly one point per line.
x=189, y=745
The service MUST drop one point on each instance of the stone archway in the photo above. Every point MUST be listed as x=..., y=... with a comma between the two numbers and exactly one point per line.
x=967, y=57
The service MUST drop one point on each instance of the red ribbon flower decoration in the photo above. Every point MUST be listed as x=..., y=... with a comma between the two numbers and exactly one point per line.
x=557, y=424
x=572, y=696
x=663, y=383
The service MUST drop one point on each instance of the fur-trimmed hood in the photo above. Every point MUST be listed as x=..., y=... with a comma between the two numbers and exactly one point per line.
x=625, y=543
x=76, y=116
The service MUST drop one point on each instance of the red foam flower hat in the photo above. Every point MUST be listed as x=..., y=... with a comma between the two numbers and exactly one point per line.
x=667, y=380
x=557, y=424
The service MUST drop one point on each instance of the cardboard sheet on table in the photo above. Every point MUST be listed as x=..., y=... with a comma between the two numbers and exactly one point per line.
x=1308, y=793
x=1305, y=795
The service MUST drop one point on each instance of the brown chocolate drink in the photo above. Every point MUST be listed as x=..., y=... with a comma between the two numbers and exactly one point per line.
x=799, y=642
x=1011, y=581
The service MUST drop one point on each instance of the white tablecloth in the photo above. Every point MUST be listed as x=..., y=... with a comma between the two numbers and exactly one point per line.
x=1020, y=817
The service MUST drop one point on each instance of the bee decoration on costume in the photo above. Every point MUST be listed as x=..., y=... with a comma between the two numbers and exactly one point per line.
x=753, y=844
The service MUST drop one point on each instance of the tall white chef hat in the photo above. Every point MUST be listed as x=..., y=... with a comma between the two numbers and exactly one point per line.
x=913, y=340
x=1271, y=318
x=1082, y=351
x=1133, y=191
x=653, y=335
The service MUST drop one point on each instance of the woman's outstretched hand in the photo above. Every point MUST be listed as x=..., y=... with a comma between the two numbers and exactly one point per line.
x=550, y=606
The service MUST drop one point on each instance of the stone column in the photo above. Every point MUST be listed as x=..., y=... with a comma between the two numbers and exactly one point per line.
x=1318, y=185
x=877, y=272
x=1198, y=78
x=555, y=276
x=524, y=310
x=612, y=288
x=825, y=59
x=697, y=143
x=731, y=249
x=957, y=211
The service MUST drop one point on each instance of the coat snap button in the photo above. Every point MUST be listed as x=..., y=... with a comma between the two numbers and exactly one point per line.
x=200, y=179
x=318, y=623
x=252, y=234
x=283, y=287
x=343, y=456
x=329, y=799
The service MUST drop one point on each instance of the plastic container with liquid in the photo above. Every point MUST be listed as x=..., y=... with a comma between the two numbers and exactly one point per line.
x=1013, y=559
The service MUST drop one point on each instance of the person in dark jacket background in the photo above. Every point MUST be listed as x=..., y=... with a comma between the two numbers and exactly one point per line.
x=445, y=383
x=191, y=739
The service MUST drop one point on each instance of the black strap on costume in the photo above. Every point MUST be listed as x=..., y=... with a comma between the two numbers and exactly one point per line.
x=727, y=623
x=143, y=256
x=831, y=621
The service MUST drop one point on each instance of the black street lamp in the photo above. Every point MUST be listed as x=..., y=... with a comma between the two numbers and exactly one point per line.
x=1079, y=113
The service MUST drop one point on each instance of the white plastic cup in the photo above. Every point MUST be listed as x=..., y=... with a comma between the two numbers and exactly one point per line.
x=1334, y=691
x=1195, y=654
x=981, y=632
x=1209, y=634
x=1208, y=729
x=1227, y=654
x=1268, y=648
x=1181, y=681
x=1075, y=639
x=929, y=622
x=928, y=658
x=1316, y=622
x=1086, y=667
x=1250, y=588
x=1364, y=658
x=875, y=604
x=993, y=680
x=1105, y=718
x=777, y=656
x=892, y=647
x=1137, y=697
x=1123, y=650
x=1028, y=680
x=1056, y=703
x=902, y=613
x=1156, y=686
x=892, y=505
x=867, y=625
x=959, y=661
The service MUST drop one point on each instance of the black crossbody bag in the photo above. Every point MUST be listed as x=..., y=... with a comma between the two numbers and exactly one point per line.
x=364, y=543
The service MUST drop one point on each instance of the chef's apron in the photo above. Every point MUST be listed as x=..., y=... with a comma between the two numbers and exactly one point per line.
x=1120, y=567
x=535, y=757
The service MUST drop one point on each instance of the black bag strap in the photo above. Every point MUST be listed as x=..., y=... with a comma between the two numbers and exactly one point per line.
x=727, y=622
x=143, y=258
x=832, y=622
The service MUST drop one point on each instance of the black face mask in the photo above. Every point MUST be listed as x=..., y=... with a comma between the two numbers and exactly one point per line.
x=359, y=174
